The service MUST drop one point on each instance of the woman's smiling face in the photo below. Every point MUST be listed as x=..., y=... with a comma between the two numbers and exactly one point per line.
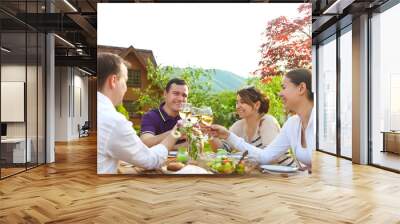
x=245, y=110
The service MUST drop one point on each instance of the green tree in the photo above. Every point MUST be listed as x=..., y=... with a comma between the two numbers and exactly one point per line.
x=286, y=44
x=223, y=105
x=271, y=87
x=152, y=96
x=198, y=80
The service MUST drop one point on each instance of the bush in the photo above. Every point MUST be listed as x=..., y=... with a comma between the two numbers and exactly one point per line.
x=223, y=105
x=120, y=108
x=137, y=128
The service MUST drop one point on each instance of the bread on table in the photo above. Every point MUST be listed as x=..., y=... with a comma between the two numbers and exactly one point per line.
x=175, y=166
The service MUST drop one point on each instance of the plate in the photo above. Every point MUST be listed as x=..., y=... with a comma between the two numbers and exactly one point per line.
x=172, y=153
x=235, y=155
x=125, y=164
x=188, y=169
x=278, y=168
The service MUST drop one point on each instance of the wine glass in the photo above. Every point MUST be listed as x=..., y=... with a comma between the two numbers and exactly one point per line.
x=206, y=116
x=196, y=115
x=185, y=111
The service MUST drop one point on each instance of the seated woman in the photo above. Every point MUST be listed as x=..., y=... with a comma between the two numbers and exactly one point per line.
x=298, y=132
x=256, y=127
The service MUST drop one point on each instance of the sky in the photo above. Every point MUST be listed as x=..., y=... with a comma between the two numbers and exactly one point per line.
x=220, y=36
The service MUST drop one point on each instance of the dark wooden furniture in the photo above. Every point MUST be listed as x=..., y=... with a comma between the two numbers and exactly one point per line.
x=391, y=141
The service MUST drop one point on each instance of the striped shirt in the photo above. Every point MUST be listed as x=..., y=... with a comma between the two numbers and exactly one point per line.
x=266, y=131
x=289, y=137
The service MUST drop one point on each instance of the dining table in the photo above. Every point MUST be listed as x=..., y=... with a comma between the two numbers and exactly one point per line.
x=130, y=169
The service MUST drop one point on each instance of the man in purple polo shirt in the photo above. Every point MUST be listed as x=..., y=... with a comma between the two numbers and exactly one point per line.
x=157, y=123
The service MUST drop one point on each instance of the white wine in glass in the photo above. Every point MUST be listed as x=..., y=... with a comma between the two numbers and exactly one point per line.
x=186, y=111
x=196, y=115
x=207, y=120
x=206, y=116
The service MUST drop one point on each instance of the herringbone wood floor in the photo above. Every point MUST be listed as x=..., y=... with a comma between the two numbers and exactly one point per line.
x=69, y=191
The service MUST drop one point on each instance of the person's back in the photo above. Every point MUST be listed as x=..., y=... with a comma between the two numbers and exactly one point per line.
x=116, y=137
x=109, y=121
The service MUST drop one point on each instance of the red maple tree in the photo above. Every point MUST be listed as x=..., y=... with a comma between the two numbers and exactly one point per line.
x=287, y=44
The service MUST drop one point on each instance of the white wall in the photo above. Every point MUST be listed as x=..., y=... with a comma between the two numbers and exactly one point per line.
x=61, y=103
x=34, y=125
x=80, y=110
x=15, y=73
x=71, y=94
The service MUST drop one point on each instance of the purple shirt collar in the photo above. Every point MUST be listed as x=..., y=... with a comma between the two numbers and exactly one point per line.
x=164, y=116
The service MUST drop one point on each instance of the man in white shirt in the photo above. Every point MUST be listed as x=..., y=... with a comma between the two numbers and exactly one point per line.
x=116, y=138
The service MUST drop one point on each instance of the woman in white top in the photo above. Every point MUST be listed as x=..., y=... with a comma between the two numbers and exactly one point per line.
x=256, y=126
x=298, y=131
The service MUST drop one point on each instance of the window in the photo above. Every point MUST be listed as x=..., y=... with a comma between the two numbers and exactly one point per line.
x=22, y=61
x=385, y=87
x=134, y=78
x=327, y=95
x=346, y=92
x=335, y=108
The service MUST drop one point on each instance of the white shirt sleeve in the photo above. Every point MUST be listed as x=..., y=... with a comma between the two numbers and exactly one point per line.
x=125, y=145
x=272, y=152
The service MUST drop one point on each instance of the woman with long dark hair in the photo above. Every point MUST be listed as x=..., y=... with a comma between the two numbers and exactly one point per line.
x=298, y=132
x=255, y=126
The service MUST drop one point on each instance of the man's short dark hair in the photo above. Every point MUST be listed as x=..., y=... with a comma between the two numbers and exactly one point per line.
x=107, y=64
x=175, y=81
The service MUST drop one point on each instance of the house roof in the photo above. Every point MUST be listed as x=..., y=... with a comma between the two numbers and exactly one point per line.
x=141, y=54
